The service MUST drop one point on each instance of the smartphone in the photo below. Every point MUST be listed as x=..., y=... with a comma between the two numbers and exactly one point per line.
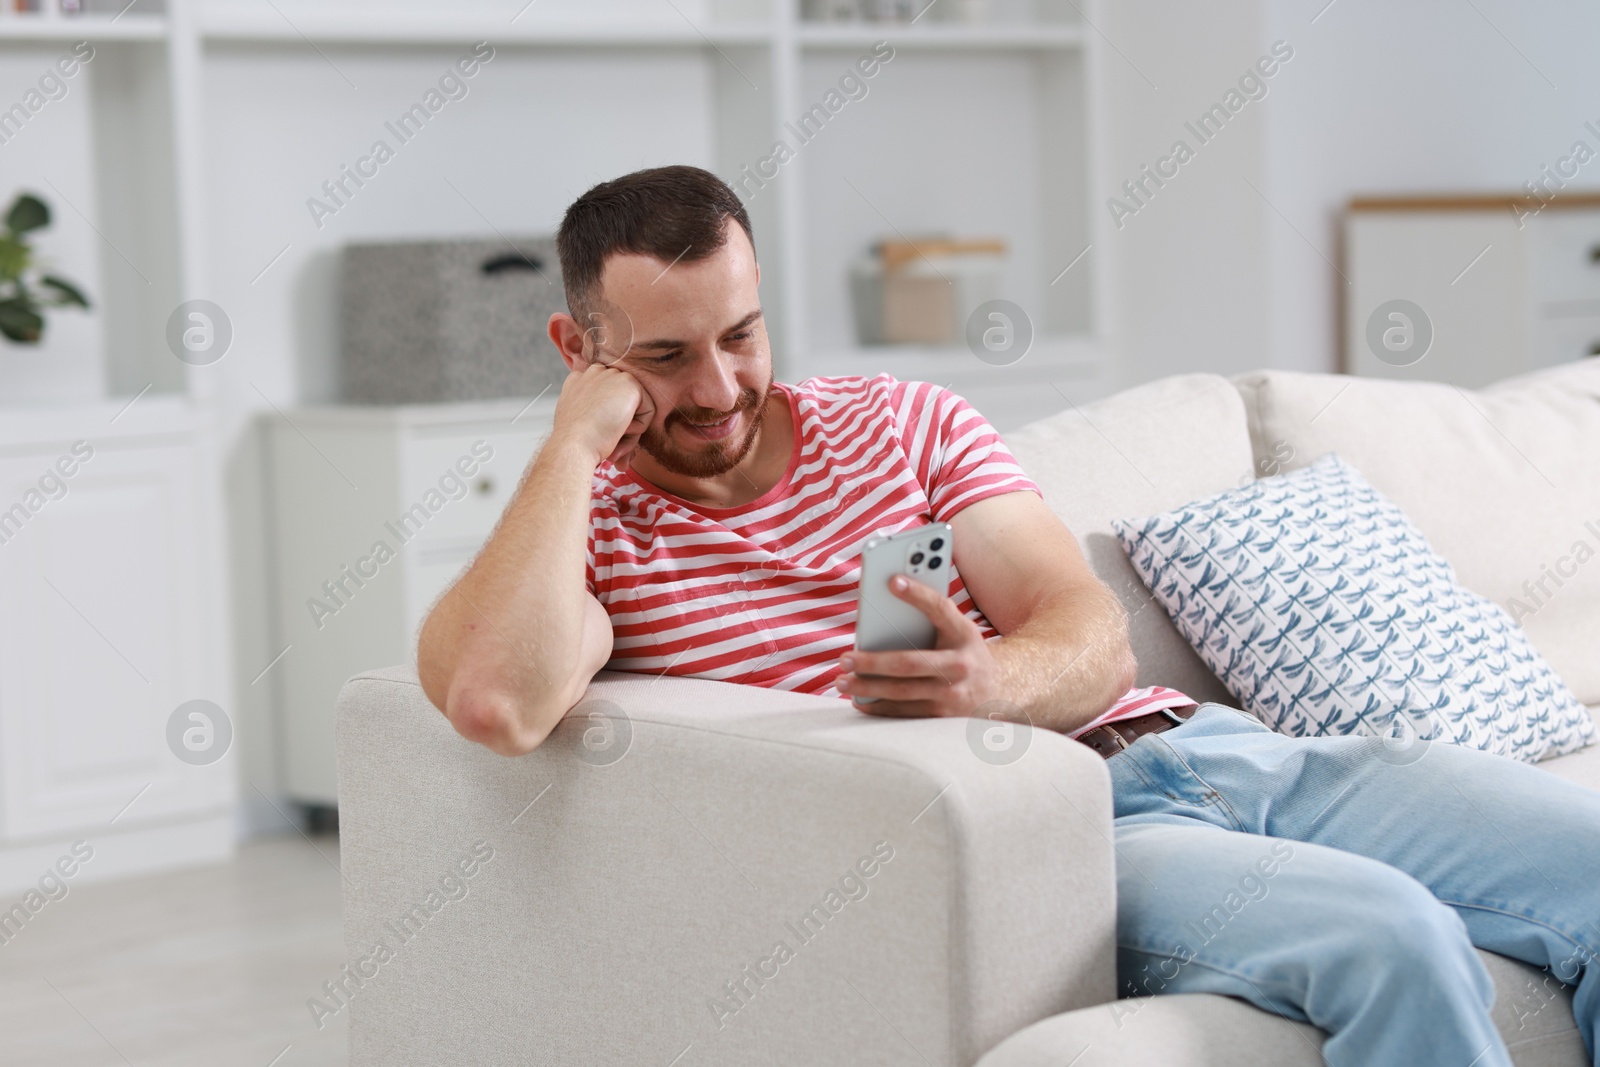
x=884, y=622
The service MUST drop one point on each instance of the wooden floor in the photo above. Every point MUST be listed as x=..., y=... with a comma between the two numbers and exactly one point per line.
x=206, y=967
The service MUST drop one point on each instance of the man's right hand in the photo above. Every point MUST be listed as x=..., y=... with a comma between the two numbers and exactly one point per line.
x=604, y=410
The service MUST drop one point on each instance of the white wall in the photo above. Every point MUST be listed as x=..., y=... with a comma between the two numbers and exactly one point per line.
x=1186, y=276
x=1422, y=96
x=1425, y=96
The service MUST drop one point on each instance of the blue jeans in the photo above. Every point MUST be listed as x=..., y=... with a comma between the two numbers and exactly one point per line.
x=1343, y=881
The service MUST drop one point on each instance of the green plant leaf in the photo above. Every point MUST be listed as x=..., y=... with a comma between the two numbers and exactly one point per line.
x=20, y=322
x=14, y=258
x=66, y=292
x=27, y=212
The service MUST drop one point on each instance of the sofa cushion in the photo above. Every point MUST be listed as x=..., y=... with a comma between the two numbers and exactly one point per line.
x=1531, y=1010
x=1144, y=449
x=1504, y=482
x=1175, y=1030
x=1325, y=611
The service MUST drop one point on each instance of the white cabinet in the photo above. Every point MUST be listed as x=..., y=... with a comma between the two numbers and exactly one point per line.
x=101, y=641
x=375, y=511
x=1500, y=289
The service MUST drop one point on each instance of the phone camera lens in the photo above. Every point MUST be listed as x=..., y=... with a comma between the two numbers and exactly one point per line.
x=933, y=564
x=938, y=543
x=916, y=558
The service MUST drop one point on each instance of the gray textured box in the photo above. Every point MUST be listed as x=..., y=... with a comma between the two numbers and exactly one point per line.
x=431, y=321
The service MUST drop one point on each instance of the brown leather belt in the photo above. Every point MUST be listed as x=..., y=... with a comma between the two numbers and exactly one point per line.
x=1113, y=737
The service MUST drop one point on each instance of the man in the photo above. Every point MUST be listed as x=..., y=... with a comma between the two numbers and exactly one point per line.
x=689, y=515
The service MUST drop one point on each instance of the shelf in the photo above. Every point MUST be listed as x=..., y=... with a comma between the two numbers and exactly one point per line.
x=821, y=36
x=25, y=429
x=435, y=28
x=26, y=27
x=1049, y=359
x=429, y=27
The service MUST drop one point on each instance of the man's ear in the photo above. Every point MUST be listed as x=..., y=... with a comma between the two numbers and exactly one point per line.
x=567, y=336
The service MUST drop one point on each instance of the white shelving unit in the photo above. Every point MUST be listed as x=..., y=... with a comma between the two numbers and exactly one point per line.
x=978, y=129
x=201, y=126
x=131, y=557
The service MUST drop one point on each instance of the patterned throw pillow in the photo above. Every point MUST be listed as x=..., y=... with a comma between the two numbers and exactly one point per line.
x=1324, y=610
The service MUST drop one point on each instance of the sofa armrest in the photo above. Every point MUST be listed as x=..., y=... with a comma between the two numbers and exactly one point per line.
x=760, y=876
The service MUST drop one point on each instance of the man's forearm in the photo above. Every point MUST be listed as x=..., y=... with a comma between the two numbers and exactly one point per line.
x=508, y=627
x=1069, y=661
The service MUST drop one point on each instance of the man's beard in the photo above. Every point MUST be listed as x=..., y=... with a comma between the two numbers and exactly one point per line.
x=709, y=458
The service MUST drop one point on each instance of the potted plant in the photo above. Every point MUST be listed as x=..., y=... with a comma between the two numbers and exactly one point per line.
x=24, y=290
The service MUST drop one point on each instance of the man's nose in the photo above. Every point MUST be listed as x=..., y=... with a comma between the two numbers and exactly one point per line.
x=717, y=388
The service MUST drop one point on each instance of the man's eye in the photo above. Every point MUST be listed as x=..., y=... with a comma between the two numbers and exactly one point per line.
x=659, y=361
x=744, y=336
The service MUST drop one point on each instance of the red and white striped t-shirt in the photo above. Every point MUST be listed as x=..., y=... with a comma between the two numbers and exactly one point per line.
x=765, y=593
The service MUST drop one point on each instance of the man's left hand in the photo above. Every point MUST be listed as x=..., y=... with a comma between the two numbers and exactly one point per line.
x=955, y=677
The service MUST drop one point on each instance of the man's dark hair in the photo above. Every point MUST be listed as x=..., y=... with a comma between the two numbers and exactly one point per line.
x=675, y=214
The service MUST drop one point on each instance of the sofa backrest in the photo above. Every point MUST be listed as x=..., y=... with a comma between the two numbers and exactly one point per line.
x=1138, y=452
x=1504, y=482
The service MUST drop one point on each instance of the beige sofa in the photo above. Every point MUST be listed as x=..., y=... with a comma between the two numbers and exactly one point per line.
x=764, y=877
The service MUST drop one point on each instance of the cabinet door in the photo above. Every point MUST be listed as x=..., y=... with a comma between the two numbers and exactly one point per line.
x=1563, y=286
x=1564, y=258
x=99, y=644
x=443, y=506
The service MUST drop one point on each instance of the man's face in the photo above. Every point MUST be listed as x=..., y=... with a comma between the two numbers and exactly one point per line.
x=693, y=336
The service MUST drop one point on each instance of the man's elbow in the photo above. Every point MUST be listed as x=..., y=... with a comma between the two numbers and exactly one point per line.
x=497, y=720
x=1128, y=671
